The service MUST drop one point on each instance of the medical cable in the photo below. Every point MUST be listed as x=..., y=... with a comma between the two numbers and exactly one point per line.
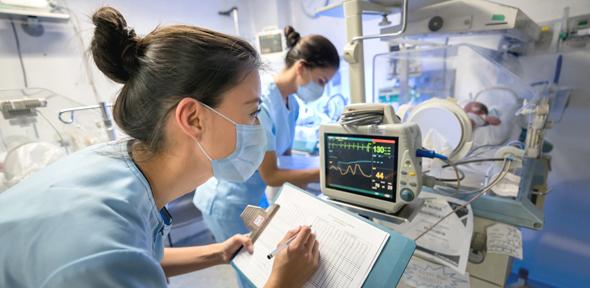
x=474, y=161
x=480, y=192
x=491, y=146
x=61, y=139
x=472, y=153
x=361, y=118
x=449, y=163
x=461, y=174
x=85, y=52
x=467, y=162
x=20, y=54
x=426, y=153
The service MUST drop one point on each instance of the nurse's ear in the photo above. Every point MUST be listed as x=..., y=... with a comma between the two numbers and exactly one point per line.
x=189, y=115
x=300, y=68
x=301, y=72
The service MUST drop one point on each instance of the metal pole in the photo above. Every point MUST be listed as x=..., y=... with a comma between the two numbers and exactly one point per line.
x=108, y=122
x=353, y=15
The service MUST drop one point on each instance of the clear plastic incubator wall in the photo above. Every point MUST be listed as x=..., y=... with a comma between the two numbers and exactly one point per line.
x=473, y=106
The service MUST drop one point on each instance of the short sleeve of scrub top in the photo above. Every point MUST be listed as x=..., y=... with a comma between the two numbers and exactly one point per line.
x=266, y=122
x=87, y=220
x=279, y=119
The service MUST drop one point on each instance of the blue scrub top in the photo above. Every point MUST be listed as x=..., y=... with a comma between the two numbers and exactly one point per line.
x=223, y=199
x=88, y=220
x=278, y=119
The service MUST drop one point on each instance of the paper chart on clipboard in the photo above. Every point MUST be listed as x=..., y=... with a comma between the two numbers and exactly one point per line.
x=349, y=247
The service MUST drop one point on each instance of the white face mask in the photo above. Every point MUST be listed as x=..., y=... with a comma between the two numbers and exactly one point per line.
x=247, y=156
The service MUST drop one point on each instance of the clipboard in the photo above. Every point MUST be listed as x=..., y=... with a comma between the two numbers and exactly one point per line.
x=388, y=267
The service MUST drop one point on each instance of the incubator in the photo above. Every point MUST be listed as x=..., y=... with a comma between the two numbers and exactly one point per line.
x=32, y=136
x=473, y=106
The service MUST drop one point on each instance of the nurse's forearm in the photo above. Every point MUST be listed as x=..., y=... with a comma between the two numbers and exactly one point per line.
x=278, y=177
x=178, y=261
x=274, y=176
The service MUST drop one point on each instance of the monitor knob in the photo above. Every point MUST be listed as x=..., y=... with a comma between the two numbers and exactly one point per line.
x=407, y=195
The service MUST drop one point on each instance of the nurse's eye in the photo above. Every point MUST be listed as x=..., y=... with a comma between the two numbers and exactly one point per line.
x=255, y=113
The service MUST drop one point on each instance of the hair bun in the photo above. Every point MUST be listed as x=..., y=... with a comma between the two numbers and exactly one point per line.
x=114, y=45
x=292, y=36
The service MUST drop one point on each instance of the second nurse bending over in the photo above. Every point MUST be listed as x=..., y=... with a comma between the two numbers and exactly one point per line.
x=310, y=63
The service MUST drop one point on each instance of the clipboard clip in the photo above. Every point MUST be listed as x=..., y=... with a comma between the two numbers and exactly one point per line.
x=256, y=218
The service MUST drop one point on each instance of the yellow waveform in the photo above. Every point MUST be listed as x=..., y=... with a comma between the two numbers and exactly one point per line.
x=350, y=170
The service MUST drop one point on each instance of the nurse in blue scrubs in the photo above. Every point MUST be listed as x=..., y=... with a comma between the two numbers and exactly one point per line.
x=97, y=218
x=309, y=64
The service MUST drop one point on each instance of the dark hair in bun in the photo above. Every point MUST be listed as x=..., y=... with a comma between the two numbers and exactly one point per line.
x=292, y=36
x=163, y=67
x=314, y=50
x=114, y=46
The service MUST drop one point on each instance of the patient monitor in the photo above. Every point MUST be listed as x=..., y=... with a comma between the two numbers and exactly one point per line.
x=369, y=158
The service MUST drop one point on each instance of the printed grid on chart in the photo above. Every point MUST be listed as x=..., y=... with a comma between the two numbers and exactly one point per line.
x=340, y=253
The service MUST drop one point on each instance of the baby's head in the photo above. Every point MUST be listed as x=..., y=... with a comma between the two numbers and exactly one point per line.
x=478, y=114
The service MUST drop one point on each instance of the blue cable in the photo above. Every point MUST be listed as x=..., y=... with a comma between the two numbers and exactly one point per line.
x=557, y=74
x=425, y=153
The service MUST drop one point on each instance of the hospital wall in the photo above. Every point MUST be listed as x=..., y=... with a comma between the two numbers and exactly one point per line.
x=55, y=60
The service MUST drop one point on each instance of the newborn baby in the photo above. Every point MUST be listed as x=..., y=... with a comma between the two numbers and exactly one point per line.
x=478, y=114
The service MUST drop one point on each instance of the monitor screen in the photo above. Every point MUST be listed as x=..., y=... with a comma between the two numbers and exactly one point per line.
x=270, y=43
x=363, y=165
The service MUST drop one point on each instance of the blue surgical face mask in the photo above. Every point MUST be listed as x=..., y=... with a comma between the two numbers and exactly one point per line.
x=241, y=164
x=310, y=91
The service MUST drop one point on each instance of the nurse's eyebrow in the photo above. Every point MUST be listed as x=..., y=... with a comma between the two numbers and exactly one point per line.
x=257, y=100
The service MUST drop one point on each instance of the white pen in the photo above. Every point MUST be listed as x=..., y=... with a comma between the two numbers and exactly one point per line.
x=282, y=246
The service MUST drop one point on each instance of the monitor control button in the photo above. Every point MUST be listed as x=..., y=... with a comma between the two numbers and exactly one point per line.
x=407, y=195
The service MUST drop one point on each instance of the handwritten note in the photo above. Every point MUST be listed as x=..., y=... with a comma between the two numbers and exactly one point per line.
x=504, y=239
x=425, y=274
x=448, y=243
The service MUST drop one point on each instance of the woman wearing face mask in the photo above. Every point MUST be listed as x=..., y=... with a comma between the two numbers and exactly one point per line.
x=309, y=64
x=97, y=218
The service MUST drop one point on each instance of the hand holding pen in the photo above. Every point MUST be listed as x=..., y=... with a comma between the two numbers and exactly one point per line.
x=283, y=245
x=297, y=257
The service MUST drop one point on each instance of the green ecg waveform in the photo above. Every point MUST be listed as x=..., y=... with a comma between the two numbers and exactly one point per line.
x=369, y=147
